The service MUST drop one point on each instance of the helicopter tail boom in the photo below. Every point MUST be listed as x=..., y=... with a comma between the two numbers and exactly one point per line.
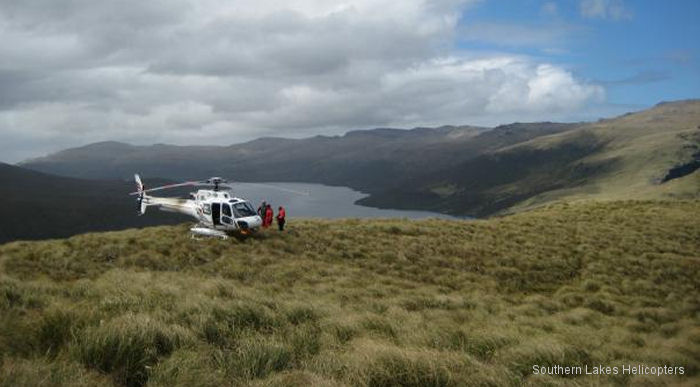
x=144, y=200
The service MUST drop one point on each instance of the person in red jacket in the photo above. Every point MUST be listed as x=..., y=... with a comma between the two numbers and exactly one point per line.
x=280, y=218
x=267, y=221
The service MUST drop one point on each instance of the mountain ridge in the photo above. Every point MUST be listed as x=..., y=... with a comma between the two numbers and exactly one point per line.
x=461, y=170
x=434, y=134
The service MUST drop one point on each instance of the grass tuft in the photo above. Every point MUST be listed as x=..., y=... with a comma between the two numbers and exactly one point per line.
x=255, y=358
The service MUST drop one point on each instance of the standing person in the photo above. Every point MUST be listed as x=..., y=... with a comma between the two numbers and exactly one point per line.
x=268, y=216
x=280, y=218
x=262, y=208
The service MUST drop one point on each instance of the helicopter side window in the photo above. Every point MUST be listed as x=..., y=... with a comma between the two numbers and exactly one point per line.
x=225, y=209
x=206, y=208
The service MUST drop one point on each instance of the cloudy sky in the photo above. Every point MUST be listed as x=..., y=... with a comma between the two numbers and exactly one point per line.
x=220, y=72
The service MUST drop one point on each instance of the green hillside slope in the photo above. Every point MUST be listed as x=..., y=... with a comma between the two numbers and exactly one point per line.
x=643, y=150
x=362, y=302
x=652, y=154
x=35, y=205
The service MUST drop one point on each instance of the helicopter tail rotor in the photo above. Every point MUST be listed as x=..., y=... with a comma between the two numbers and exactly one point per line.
x=140, y=203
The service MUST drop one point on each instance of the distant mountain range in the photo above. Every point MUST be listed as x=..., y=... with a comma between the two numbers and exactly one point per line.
x=462, y=170
x=359, y=159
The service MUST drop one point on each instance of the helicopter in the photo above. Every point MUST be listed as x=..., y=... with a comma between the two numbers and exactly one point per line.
x=218, y=212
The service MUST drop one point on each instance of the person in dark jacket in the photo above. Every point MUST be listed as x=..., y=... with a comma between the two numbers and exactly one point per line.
x=281, y=218
x=268, y=216
x=261, y=209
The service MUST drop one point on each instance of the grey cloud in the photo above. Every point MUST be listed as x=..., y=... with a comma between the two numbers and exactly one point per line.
x=208, y=71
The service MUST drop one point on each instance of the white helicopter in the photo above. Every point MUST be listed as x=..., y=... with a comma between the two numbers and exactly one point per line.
x=218, y=212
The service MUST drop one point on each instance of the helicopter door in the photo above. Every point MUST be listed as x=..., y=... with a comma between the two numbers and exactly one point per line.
x=226, y=217
x=215, y=213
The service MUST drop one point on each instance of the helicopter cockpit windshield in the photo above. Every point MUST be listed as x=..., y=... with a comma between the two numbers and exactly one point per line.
x=243, y=209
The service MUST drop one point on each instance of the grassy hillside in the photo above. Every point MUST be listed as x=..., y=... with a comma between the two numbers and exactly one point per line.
x=35, y=205
x=642, y=148
x=632, y=156
x=362, y=302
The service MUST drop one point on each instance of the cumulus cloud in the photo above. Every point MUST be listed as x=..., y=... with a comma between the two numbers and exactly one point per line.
x=219, y=72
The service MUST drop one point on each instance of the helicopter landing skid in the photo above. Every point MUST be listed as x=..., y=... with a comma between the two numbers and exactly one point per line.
x=200, y=231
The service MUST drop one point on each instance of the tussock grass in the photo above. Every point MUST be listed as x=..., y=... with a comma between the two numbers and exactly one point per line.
x=482, y=345
x=257, y=358
x=128, y=346
x=41, y=372
x=361, y=302
x=394, y=367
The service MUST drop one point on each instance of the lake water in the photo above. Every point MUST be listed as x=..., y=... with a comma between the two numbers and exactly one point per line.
x=320, y=201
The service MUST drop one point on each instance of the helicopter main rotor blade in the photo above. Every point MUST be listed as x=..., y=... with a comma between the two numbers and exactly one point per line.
x=220, y=184
x=187, y=183
x=280, y=188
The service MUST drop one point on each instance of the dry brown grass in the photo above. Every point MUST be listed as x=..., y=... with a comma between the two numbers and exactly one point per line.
x=361, y=302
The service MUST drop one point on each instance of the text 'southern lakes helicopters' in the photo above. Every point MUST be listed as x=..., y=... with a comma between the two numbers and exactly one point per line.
x=219, y=214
